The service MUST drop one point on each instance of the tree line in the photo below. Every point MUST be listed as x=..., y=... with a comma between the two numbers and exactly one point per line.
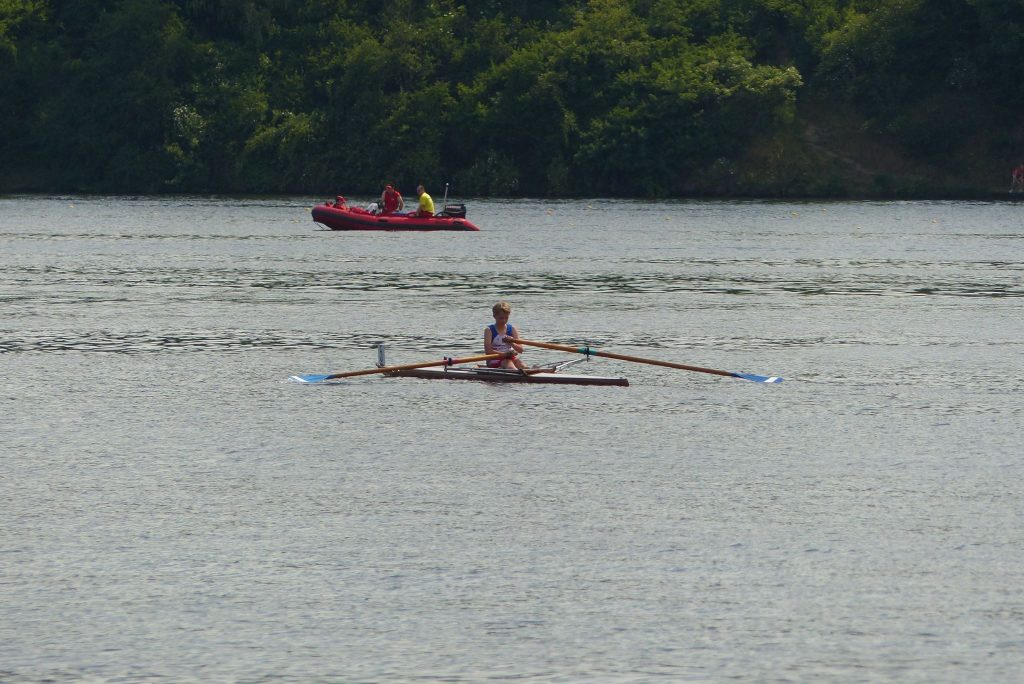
x=642, y=98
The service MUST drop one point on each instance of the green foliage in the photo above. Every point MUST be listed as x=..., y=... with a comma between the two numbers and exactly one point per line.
x=277, y=156
x=104, y=122
x=17, y=16
x=627, y=97
x=927, y=72
x=22, y=30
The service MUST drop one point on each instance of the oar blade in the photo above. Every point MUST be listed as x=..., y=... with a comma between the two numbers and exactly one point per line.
x=753, y=377
x=309, y=378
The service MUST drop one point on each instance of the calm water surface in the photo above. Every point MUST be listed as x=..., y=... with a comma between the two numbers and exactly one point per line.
x=174, y=509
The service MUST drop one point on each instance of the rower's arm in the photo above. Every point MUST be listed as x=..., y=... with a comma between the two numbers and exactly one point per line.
x=488, y=348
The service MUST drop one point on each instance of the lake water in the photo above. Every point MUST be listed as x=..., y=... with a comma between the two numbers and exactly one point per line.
x=174, y=509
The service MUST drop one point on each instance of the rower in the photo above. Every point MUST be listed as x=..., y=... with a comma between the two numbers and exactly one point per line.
x=494, y=339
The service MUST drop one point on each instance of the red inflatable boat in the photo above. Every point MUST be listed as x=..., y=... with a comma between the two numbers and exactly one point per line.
x=340, y=216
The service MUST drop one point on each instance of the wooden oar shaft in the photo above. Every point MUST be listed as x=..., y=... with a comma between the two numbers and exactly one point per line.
x=622, y=357
x=409, y=366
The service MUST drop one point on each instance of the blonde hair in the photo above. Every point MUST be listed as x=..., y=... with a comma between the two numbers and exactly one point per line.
x=502, y=307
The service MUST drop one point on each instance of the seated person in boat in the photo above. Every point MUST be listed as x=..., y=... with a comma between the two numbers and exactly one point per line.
x=339, y=202
x=426, y=207
x=391, y=200
x=494, y=339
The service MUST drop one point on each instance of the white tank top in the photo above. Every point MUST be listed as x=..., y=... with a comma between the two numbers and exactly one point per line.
x=498, y=343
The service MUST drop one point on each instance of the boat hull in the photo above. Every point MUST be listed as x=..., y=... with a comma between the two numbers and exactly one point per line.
x=354, y=218
x=502, y=375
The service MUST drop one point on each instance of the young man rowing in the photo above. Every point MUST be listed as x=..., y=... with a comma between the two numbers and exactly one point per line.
x=494, y=339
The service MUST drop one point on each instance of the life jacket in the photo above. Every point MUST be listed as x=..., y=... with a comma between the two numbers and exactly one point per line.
x=391, y=198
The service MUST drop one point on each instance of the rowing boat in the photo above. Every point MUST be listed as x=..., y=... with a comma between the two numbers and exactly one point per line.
x=544, y=374
x=548, y=376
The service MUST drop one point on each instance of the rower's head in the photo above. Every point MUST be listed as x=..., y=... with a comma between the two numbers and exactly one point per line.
x=501, y=311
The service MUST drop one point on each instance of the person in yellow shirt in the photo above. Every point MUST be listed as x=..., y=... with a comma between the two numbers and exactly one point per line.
x=426, y=207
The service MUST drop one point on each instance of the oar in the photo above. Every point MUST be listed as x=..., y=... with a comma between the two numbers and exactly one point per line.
x=622, y=357
x=446, y=361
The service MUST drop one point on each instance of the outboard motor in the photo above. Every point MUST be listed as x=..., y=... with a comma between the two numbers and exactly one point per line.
x=454, y=211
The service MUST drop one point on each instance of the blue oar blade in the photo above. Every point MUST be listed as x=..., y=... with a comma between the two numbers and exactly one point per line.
x=757, y=378
x=309, y=378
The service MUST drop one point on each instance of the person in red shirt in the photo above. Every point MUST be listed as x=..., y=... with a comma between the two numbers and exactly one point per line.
x=391, y=200
x=1017, y=180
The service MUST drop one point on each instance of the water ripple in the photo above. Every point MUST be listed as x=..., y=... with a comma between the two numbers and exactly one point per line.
x=146, y=342
x=760, y=282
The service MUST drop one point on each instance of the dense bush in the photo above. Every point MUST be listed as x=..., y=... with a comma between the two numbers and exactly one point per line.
x=620, y=97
